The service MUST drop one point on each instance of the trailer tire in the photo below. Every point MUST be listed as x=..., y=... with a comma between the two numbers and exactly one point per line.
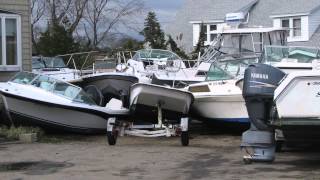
x=185, y=138
x=112, y=138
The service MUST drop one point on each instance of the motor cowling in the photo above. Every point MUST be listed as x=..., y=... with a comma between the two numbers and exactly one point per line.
x=260, y=82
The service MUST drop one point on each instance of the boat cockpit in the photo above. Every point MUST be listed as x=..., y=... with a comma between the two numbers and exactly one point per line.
x=57, y=87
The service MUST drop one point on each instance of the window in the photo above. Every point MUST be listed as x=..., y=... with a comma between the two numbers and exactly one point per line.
x=10, y=42
x=285, y=23
x=213, y=27
x=296, y=27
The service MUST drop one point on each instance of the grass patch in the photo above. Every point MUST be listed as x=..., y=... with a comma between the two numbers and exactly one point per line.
x=13, y=133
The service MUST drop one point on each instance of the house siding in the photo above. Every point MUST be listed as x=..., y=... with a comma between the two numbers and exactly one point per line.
x=314, y=21
x=22, y=8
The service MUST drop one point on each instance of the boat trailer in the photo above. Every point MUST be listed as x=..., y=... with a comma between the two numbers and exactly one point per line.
x=116, y=127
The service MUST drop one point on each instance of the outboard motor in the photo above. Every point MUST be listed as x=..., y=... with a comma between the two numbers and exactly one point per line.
x=260, y=81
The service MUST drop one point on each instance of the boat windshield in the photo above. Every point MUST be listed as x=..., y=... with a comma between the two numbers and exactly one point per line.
x=47, y=62
x=276, y=54
x=54, y=86
x=229, y=69
x=154, y=55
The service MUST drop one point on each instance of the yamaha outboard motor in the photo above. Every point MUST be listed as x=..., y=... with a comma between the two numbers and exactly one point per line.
x=260, y=81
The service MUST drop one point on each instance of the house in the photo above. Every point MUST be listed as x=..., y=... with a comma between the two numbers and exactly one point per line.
x=15, y=37
x=301, y=17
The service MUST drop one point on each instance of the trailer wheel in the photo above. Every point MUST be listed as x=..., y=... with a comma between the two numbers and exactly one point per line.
x=185, y=138
x=112, y=138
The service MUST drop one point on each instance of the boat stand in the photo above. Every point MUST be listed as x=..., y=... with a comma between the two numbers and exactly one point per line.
x=117, y=127
x=259, y=145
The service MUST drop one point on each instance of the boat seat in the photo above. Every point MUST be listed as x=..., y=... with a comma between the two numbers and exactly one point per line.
x=46, y=86
x=95, y=94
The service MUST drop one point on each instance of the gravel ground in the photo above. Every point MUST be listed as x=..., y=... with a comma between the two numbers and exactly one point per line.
x=208, y=157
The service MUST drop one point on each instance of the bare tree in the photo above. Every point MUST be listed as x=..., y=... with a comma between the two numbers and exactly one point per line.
x=37, y=12
x=66, y=12
x=104, y=16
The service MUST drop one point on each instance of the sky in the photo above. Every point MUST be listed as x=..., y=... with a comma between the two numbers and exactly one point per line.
x=165, y=11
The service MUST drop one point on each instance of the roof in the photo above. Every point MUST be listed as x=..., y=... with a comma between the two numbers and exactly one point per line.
x=285, y=7
x=208, y=10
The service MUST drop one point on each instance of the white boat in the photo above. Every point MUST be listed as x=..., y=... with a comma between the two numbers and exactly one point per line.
x=39, y=100
x=280, y=104
x=54, y=67
x=219, y=99
x=163, y=67
x=145, y=99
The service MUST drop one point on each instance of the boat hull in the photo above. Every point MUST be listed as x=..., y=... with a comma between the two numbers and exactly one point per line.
x=145, y=99
x=223, y=109
x=54, y=117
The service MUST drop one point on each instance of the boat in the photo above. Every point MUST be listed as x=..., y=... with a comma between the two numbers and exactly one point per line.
x=54, y=67
x=40, y=100
x=163, y=67
x=219, y=99
x=112, y=85
x=279, y=101
x=223, y=87
x=236, y=42
x=145, y=99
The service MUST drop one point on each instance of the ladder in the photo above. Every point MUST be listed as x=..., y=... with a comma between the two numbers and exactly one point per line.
x=211, y=52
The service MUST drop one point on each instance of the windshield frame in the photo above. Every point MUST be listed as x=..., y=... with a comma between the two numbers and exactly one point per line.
x=148, y=55
x=267, y=60
x=230, y=76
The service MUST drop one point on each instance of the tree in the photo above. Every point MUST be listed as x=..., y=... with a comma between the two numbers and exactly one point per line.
x=104, y=16
x=56, y=40
x=132, y=45
x=37, y=12
x=66, y=12
x=152, y=32
x=200, y=45
x=174, y=47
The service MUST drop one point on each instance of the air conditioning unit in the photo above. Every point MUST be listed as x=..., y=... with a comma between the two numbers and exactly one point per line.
x=235, y=19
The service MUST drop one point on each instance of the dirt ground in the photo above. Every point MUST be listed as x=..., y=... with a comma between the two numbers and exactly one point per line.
x=208, y=157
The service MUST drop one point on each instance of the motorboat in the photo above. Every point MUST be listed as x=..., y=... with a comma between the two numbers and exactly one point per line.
x=219, y=99
x=54, y=67
x=111, y=85
x=159, y=111
x=275, y=100
x=40, y=100
x=145, y=99
x=229, y=42
x=223, y=87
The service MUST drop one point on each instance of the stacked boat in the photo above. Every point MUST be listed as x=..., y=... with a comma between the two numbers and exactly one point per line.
x=34, y=99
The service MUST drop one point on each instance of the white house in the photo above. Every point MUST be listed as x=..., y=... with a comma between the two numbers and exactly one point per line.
x=302, y=17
